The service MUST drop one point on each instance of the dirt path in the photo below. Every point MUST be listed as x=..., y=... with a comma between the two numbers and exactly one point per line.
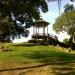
x=45, y=69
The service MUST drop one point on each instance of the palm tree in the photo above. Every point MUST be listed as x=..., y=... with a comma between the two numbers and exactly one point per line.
x=68, y=7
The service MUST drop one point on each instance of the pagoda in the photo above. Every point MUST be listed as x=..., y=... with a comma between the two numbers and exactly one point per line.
x=40, y=29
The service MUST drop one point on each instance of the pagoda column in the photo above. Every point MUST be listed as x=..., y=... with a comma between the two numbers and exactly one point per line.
x=43, y=30
x=38, y=30
x=33, y=30
x=47, y=30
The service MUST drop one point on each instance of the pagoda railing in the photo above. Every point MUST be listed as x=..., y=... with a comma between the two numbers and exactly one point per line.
x=40, y=35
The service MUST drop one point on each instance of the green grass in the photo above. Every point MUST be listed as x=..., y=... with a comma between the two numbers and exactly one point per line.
x=21, y=53
x=24, y=55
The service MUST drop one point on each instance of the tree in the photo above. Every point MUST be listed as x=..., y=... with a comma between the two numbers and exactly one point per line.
x=15, y=13
x=66, y=22
x=68, y=7
x=65, y=41
x=22, y=11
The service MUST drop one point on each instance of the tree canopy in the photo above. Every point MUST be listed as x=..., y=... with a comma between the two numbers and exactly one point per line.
x=68, y=7
x=66, y=22
x=18, y=15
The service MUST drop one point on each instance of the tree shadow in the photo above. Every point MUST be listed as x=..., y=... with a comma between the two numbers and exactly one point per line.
x=24, y=45
x=60, y=62
x=64, y=69
x=49, y=57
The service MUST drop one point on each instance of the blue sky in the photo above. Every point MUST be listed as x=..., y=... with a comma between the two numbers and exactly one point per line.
x=50, y=17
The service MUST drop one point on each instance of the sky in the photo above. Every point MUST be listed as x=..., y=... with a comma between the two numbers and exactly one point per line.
x=50, y=17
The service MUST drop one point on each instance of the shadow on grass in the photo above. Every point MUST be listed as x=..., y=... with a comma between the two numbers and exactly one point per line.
x=49, y=57
x=66, y=69
x=24, y=45
x=61, y=62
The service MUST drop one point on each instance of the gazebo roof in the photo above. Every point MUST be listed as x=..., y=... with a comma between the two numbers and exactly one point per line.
x=41, y=22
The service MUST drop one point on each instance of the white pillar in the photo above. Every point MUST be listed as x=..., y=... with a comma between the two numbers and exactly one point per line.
x=47, y=30
x=33, y=30
x=43, y=30
x=38, y=30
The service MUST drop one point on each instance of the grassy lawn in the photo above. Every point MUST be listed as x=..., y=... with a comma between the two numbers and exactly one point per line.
x=27, y=54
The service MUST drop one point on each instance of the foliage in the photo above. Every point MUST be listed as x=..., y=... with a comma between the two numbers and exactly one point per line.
x=18, y=15
x=65, y=41
x=66, y=22
x=68, y=7
x=15, y=13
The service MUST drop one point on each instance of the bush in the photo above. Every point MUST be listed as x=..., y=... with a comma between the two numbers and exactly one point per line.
x=32, y=41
